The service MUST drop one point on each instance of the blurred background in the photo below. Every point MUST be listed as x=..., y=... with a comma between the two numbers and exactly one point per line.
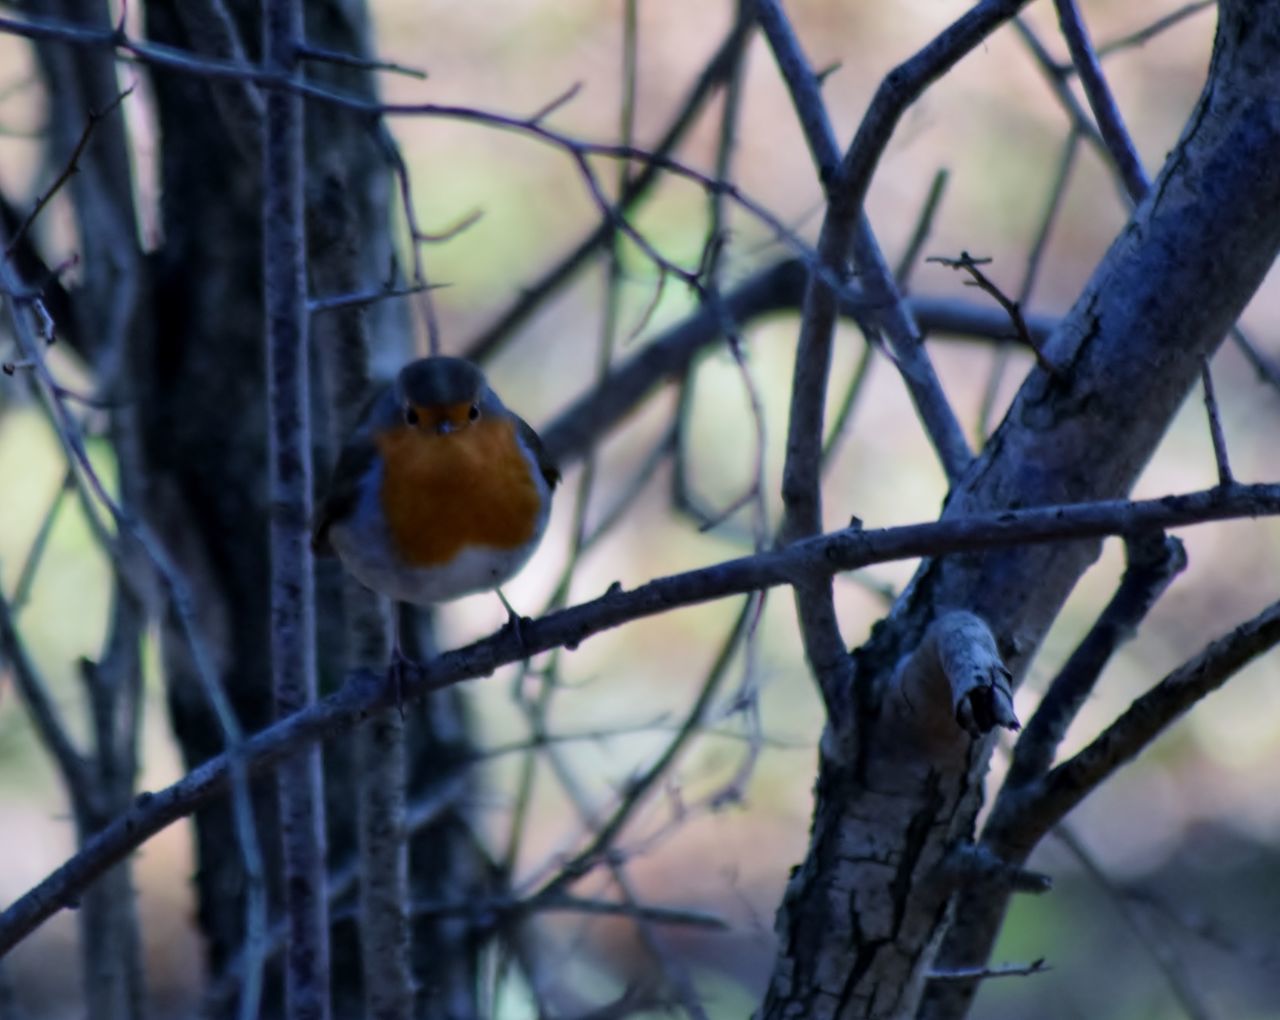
x=1172, y=907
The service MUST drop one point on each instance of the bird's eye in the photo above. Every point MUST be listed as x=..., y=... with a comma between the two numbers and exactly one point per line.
x=474, y=412
x=410, y=416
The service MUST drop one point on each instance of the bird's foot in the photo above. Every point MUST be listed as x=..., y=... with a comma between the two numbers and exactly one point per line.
x=514, y=624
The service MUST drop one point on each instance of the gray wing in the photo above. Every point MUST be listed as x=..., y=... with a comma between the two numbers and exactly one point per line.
x=546, y=466
x=344, y=491
x=354, y=461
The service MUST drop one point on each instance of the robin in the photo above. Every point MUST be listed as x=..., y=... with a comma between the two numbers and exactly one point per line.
x=440, y=492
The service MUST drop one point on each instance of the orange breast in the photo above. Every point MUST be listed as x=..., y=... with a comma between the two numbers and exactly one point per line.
x=443, y=493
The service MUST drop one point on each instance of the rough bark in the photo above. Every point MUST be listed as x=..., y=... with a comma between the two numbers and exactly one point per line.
x=208, y=465
x=865, y=913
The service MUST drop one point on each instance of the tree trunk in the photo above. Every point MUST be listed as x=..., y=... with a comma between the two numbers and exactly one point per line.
x=865, y=914
x=204, y=421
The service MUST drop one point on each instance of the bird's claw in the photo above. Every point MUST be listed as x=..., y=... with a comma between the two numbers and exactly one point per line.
x=515, y=624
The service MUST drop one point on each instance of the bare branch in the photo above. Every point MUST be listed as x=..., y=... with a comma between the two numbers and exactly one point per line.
x=44, y=713
x=1154, y=561
x=366, y=692
x=972, y=865
x=307, y=51
x=846, y=230
x=902, y=87
x=417, y=237
x=532, y=296
x=824, y=646
x=27, y=575
x=1150, y=937
x=606, y=833
x=293, y=652
x=1053, y=206
x=983, y=973
x=1105, y=112
x=968, y=264
x=924, y=226
x=547, y=109
x=71, y=167
x=358, y=299
x=1215, y=427
x=380, y=754
x=488, y=913
x=1267, y=370
x=1161, y=24
x=1056, y=78
x=180, y=601
x=1041, y=805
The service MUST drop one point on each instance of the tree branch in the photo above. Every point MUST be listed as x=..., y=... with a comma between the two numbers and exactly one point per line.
x=1035, y=809
x=293, y=647
x=776, y=288
x=1154, y=561
x=1110, y=124
x=531, y=297
x=366, y=692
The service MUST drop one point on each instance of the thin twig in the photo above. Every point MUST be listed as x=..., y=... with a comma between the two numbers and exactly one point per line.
x=1057, y=192
x=923, y=228
x=983, y=973
x=361, y=299
x=40, y=705
x=532, y=296
x=1161, y=24
x=977, y=278
x=1267, y=370
x=27, y=575
x=1057, y=80
x=70, y=168
x=1150, y=937
x=1215, y=426
x=487, y=913
x=547, y=109
x=777, y=287
x=606, y=833
x=1101, y=101
x=308, y=51
x=417, y=237
x=844, y=413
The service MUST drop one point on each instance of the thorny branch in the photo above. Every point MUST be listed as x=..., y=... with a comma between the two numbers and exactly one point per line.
x=973, y=266
x=71, y=167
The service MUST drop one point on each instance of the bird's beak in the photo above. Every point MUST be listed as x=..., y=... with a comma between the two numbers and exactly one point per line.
x=446, y=426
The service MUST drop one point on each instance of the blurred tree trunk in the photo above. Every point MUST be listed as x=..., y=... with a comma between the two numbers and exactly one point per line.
x=100, y=322
x=203, y=385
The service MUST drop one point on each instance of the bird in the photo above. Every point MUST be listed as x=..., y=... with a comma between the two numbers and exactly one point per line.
x=439, y=492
